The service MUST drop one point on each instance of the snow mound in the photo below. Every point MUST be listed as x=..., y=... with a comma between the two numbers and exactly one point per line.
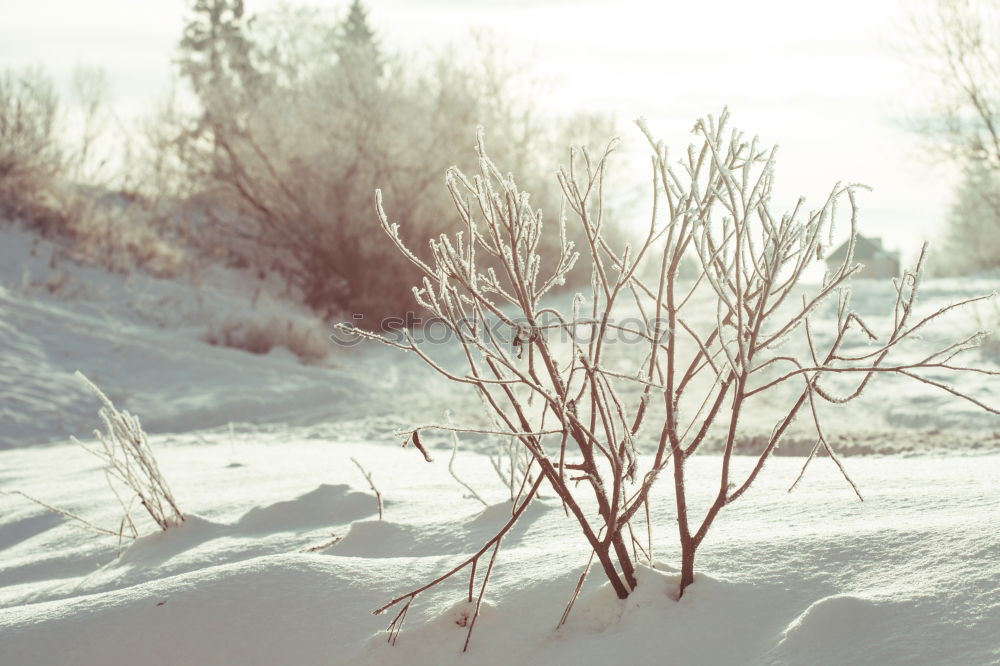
x=378, y=538
x=326, y=505
x=153, y=550
x=839, y=624
x=600, y=609
x=601, y=629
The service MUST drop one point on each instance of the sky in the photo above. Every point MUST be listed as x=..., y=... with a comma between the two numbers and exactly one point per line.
x=825, y=82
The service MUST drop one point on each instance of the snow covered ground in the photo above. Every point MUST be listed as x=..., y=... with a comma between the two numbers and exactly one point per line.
x=910, y=576
x=257, y=449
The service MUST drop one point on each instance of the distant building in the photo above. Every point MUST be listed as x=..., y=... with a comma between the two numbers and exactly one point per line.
x=879, y=262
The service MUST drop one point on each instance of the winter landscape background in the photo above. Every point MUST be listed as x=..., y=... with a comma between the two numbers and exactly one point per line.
x=190, y=252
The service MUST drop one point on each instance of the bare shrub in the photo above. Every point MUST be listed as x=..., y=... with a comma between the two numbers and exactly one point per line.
x=129, y=461
x=957, y=44
x=293, y=134
x=110, y=219
x=30, y=155
x=114, y=231
x=602, y=421
x=260, y=337
x=126, y=451
x=77, y=189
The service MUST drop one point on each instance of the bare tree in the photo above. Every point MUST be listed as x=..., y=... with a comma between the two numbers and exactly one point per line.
x=958, y=43
x=972, y=234
x=292, y=137
x=566, y=399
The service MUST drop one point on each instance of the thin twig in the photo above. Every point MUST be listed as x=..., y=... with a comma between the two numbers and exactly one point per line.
x=371, y=484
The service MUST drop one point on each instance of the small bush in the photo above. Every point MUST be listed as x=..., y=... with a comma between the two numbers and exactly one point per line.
x=600, y=426
x=130, y=462
x=30, y=156
x=260, y=337
x=125, y=449
x=63, y=189
x=117, y=234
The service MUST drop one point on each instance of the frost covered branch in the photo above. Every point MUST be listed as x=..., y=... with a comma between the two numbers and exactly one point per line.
x=602, y=427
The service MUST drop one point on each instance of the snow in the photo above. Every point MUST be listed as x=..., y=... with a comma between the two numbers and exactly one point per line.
x=113, y=328
x=909, y=576
x=283, y=558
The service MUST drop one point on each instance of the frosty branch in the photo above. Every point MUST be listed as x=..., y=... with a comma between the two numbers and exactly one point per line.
x=600, y=436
